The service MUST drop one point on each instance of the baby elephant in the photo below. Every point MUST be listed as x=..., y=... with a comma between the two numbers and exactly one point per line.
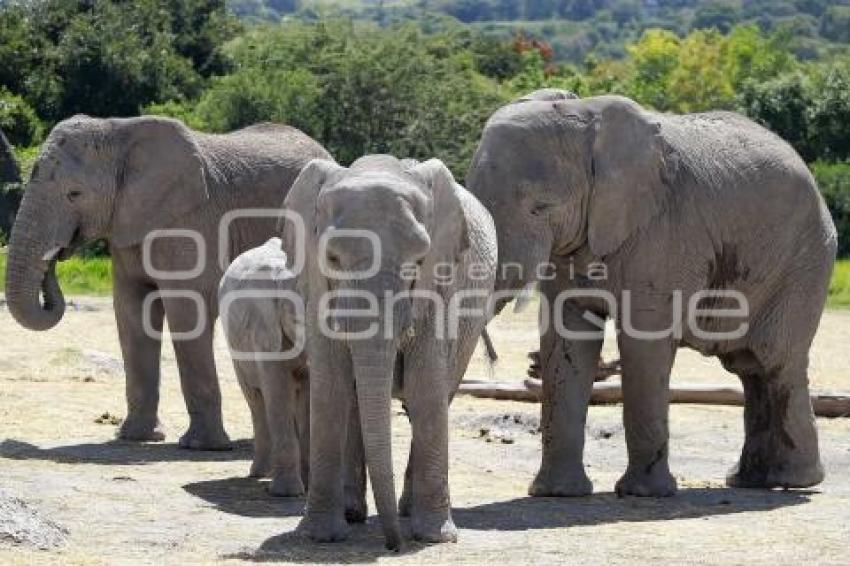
x=264, y=330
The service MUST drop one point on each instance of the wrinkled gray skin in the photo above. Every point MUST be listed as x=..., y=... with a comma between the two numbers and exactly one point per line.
x=262, y=324
x=692, y=202
x=421, y=217
x=120, y=179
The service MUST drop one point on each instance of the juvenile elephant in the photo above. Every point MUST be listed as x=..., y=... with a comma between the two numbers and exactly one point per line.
x=378, y=332
x=634, y=215
x=122, y=179
x=262, y=322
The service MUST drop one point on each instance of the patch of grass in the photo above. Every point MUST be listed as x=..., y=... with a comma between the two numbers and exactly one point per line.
x=78, y=276
x=839, y=288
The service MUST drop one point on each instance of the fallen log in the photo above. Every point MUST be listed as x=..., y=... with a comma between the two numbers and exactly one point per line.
x=603, y=372
x=825, y=404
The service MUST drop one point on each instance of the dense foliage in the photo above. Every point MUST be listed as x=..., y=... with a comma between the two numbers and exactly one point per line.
x=358, y=91
x=108, y=57
x=576, y=28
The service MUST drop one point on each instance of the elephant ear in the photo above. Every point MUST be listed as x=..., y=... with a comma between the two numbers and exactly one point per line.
x=449, y=227
x=160, y=179
x=301, y=200
x=627, y=176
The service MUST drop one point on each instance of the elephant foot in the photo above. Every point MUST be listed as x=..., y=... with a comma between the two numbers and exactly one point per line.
x=259, y=470
x=657, y=482
x=324, y=527
x=356, y=509
x=141, y=430
x=202, y=438
x=781, y=476
x=549, y=484
x=433, y=527
x=286, y=485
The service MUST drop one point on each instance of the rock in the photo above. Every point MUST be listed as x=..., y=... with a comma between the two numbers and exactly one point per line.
x=103, y=362
x=20, y=524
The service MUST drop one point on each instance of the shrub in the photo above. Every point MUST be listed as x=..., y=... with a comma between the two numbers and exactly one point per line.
x=18, y=120
x=834, y=182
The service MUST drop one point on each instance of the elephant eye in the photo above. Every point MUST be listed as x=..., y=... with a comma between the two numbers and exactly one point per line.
x=74, y=195
x=333, y=259
x=539, y=208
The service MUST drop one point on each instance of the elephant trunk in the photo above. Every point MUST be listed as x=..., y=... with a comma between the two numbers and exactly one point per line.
x=32, y=291
x=374, y=362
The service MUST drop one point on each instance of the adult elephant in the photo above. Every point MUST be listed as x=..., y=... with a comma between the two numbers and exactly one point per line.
x=634, y=214
x=399, y=325
x=123, y=179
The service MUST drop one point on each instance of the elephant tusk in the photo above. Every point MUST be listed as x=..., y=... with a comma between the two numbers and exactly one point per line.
x=52, y=253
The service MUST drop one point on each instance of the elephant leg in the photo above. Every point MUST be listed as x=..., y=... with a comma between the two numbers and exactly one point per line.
x=302, y=423
x=781, y=443
x=198, y=378
x=427, y=401
x=646, y=393
x=568, y=371
x=141, y=352
x=356, y=509
x=406, y=499
x=262, y=441
x=331, y=392
x=280, y=409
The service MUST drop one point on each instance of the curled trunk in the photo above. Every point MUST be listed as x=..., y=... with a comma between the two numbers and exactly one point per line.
x=32, y=291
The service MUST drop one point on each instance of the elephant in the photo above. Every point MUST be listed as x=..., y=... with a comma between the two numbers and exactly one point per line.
x=175, y=206
x=425, y=225
x=262, y=324
x=631, y=213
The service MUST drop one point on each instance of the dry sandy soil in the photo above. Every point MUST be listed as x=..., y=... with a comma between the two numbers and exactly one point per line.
x=69, y=493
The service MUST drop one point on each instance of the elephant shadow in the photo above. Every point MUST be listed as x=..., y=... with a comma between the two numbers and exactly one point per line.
x=365, y=544
x=120, y=452
x=246, y=497
x=538, y=513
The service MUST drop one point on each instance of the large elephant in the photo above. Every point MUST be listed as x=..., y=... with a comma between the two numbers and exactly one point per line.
x=638, y=212
x=122, y=179
x=261, y=318
x=437, y=243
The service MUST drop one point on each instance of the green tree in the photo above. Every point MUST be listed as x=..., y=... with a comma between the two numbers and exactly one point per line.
x=109, y=57
x=781, y=104
x=18, y=120
x=829, y=111
x=253, y=95
x=357, y=90
x=654, y=58
x=835, y=23
x=717, y=14
x=834, y=182
x=699, y=81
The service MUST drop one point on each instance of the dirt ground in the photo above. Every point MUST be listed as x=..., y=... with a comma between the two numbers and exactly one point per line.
x=69, y=493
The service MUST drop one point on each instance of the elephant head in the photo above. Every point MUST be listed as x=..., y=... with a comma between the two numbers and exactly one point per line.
x=97, y=178
x=415, y=214
x=559, y=173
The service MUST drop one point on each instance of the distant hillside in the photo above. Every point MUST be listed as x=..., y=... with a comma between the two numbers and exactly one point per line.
x=576, y=28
